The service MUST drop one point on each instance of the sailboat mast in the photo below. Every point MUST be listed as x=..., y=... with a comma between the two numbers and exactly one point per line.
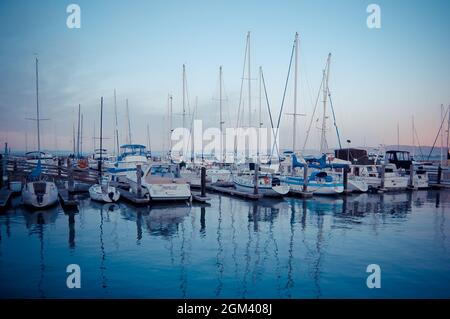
x=78, y=132
x=37, y=109
x=259, y=114
x=101, y=138
x=81, y=136
x=117, y=125
x=398, y=136
x=413, y=139
x=170, y=123
x=294, y=144
x=73, y=138
x=93, y=138
x=448, y=137
x=184, y=96
x=148, y=138
x=326, y=73
x=129, y=123
x=221, y=118
x=249, y=84
x=442, y=135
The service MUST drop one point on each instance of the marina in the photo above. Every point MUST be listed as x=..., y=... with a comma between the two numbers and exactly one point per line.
x=230, y=150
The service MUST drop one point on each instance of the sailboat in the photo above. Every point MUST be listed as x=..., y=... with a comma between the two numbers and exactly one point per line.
x=244, y=180
x=103, y=192
x=38, y=191
x=321, y=179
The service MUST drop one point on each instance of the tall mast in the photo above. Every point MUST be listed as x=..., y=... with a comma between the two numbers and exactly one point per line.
x=326, y=73
x=294, y=144
x=101, y=137
x=249, y=83
x=448, y=135
x=442, y=135
x=192, y=135
x=37, y=110
x=413, y=139
x=117, y=126
x=170, y=123
x=129, y=123
x=259, y=114
x=398, y=136
x=78, y=132
x=221, y=118
x=184, y=96
x=148, y=138
x=93, y=138
x=81, y=136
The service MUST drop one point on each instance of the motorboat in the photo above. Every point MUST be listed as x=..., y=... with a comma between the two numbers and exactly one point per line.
x=160, y=182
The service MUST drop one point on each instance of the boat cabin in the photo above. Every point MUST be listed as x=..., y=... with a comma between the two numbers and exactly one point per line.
x=401, y=159
x=353, y=155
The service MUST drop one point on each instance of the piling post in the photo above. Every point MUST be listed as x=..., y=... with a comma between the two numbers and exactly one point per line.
x=70, y=181
x=203, y=181
x=1, y=170
x=256, y=180
x=305, y=178
x=439, y=175
x=411, y=175
x=59, y=166
x=139, y=179
x=346, y=168
x=383, y=173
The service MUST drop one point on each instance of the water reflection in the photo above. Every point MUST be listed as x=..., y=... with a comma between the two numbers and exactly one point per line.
x=160, y=220
x=233, y=248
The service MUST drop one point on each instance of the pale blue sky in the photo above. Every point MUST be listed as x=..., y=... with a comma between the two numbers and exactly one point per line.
x=378, y=77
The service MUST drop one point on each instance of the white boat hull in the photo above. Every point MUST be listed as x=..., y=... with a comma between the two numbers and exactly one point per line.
x=318, y=188
x=39, y=194
x=169, y=192
x=273, y=191
x=358, y=186
x=109, y=195
x=390, y=183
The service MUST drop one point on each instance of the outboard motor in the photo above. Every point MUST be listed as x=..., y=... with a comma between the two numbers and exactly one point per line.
x=111, y=195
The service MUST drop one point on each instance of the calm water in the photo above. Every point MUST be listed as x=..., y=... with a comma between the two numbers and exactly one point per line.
x=289, y=248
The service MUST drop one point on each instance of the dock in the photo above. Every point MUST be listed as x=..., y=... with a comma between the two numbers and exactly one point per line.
x=133, y=198
x=233, y=192
x=199, y=198
x=5, y=195
x=66, y=199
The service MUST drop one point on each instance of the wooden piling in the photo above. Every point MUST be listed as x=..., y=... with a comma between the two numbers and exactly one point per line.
x=439, y=175
x=411, y=176
x=139, y=179
x=59, y=166
x=383, y=173
x=70, y=181
x=203, y=181
x=256, y=180
x=345, y=179
x=305, y=178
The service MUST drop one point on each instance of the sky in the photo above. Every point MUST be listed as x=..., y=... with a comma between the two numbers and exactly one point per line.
x=378, y=77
